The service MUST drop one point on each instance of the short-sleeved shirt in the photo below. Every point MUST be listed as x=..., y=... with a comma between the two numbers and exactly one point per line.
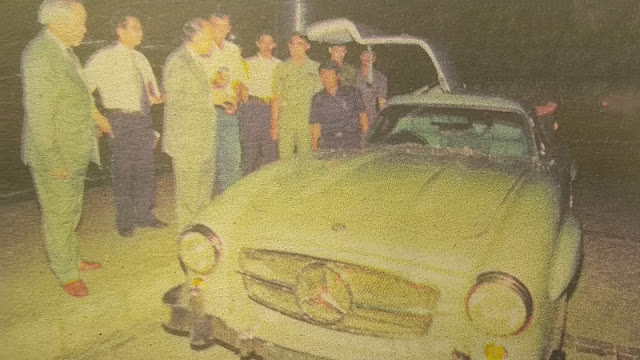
x=296, y=85
x=259, y=75
x=337, y=113
x=118, y=73
x=372, y=91
x=228, y=57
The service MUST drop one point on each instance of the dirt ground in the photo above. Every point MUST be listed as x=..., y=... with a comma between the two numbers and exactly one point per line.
x=121, y=317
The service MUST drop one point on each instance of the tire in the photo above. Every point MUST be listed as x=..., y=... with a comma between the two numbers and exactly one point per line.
x=557, y=355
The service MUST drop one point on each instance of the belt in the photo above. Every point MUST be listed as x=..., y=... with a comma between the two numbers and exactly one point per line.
x=265, y=100
x=128, y=112
x=339, y=134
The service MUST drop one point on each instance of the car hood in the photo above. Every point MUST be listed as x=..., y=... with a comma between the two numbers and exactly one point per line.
x=391, y=203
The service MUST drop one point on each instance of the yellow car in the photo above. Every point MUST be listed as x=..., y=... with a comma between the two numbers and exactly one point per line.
x=449, y=236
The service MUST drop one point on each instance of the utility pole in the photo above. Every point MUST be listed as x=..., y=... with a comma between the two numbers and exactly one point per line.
x=300, y=13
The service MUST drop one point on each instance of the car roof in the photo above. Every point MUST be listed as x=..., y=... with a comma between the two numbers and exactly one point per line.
x=467, y=101
x=342, y=31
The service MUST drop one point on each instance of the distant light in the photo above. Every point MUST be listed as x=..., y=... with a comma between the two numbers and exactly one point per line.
x=605, y=104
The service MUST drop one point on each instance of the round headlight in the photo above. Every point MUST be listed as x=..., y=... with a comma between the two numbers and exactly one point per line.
x=199, y=249
x=499, y=304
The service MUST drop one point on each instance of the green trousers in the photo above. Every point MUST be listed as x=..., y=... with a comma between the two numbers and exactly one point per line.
x=194, y=179
x=228, y=150
x=61, y=207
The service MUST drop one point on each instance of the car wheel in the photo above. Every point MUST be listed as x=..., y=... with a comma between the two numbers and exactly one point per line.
x=557, y=355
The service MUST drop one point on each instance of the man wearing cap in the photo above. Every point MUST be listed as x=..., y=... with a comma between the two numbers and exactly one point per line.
x=254, y=111
x=338, y=119
x=127, y=87
x=295, y=81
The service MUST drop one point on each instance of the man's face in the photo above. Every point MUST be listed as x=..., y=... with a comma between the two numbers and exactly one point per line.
x=265, y=44
x=338, y=52
x=221, y=27
x=130, y=33
x=298, y=46
x=72, y=30
x=367, y=58
x=329, y=79
x=202, y=42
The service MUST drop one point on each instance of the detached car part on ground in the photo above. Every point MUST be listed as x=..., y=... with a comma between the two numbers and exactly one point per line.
x=450, y=236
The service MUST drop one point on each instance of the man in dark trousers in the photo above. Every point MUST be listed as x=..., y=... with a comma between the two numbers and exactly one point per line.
x=59, y=134
x=127, y=87
x=338, y=118
x=254, y=111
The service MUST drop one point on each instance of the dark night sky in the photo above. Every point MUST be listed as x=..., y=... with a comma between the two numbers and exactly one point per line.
x=607, y=30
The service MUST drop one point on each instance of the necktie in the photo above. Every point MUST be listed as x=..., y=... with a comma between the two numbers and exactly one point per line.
x=145, y=105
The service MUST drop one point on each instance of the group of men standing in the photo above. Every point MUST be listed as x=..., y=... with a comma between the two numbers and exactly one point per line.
x=223, y=117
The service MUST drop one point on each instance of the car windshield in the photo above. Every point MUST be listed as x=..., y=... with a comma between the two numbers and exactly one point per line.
x=489, y=132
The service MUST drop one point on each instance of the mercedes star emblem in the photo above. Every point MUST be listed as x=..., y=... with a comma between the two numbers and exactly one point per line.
x=323, y=295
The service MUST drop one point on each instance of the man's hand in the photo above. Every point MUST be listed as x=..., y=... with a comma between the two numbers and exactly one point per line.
x=102, y=123
x=273, y=131
x=60, y=173
x=230, y=107
x=155, y=100
x=241, y=91
x=316, y=131
x=275, y=113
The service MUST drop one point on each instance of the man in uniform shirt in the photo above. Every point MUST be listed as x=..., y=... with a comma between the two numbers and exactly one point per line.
x=127, y=88
x=254, y=112
x=295, y=81
x=372, y=84
x=59, y=135
x=347, y=72
x=226, y=66
x=338, y=119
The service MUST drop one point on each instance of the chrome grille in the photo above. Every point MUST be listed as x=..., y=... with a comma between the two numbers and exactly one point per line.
x=341, y=296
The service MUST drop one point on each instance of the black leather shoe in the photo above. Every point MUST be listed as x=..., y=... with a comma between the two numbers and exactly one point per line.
x=126, y=232
x=154, y=223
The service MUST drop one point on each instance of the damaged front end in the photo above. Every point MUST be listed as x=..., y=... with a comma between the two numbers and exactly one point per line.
x=187, y=318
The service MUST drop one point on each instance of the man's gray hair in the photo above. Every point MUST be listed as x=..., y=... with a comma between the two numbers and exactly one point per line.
x=193, y=27
x=52, y=10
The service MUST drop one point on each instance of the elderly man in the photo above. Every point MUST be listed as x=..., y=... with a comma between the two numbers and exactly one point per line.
x=127, y=88
x=190, y=121
x=226, y=66
x=254, y=112
x=59, y=136
x=295, y=81
x=338, y=119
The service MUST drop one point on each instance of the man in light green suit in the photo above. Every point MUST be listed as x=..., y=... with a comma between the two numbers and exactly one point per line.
x=59, y=135
x=189, y=121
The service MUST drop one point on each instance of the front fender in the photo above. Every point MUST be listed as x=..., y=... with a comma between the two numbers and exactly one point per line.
x=566, y=257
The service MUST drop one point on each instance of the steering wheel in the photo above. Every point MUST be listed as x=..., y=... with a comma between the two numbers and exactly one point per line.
x=405, y=136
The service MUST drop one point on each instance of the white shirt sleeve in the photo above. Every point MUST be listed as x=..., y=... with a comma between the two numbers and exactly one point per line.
x=148, y=75
x=92, y=71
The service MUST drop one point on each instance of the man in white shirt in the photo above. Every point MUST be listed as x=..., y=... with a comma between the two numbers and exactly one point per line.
x=226, y=67
x=254, y=110
x=127, y=88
